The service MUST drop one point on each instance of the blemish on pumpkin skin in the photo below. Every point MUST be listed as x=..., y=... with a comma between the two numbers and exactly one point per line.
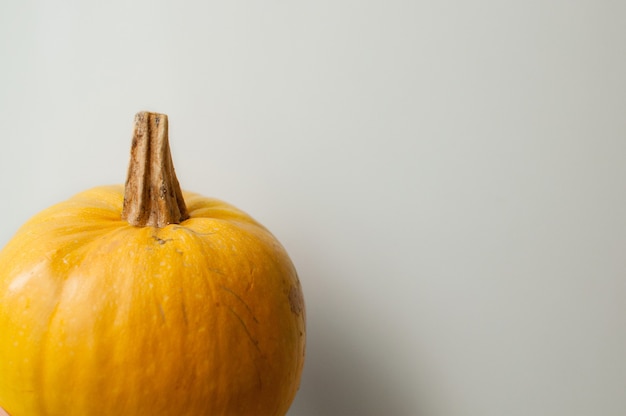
x=162, y=312
x=296, y=302
x=184, y=311
x=253, y=340
x=160, y=240
x=242, y=301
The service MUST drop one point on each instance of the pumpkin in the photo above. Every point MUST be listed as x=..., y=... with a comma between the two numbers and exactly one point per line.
x=146, y=300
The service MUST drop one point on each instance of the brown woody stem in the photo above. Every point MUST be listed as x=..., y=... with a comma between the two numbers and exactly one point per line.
x=152, y=196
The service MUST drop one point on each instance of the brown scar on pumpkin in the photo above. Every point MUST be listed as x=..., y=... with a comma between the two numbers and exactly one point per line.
x=296, y=302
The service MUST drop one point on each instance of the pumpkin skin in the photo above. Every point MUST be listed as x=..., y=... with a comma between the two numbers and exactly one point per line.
x=99, y=317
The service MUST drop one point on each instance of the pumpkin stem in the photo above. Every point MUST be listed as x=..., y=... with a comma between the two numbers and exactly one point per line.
x=152, y=196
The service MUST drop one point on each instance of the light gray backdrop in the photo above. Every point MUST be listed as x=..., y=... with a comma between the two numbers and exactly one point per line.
x=448, y=176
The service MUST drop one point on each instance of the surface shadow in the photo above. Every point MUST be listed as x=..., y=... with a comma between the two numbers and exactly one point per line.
x=343, y=378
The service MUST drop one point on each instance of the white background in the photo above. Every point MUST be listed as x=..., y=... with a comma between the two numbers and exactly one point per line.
x=449, y=177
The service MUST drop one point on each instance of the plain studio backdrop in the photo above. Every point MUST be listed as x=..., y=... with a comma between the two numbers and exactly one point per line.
x=449, y=177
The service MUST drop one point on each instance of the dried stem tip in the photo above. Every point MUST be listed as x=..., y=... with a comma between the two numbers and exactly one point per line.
x=152, y=196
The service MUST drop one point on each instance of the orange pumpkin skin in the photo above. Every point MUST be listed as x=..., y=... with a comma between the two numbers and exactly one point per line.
x=98, y=317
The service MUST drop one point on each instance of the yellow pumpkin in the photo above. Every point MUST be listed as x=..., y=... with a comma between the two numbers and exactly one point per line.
x=146, y=300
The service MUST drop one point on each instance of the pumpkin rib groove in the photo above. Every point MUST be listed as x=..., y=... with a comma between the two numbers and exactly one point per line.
x=40, y=376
